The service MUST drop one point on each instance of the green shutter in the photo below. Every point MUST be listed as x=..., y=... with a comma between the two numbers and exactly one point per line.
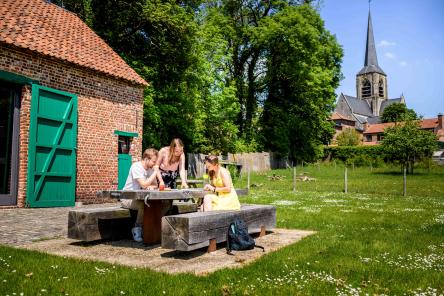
x=52, y=148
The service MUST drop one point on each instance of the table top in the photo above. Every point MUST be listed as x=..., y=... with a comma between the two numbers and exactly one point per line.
x=172, y=194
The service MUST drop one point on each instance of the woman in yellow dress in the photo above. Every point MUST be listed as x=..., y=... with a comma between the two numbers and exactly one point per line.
x=223, y=196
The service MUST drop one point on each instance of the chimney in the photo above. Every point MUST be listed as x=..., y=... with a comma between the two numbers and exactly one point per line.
x=440, y=121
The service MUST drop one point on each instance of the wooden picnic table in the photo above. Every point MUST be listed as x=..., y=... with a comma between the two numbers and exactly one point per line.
x=157, y=204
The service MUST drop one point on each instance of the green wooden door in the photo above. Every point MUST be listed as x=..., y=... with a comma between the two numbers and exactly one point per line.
x=52, y=148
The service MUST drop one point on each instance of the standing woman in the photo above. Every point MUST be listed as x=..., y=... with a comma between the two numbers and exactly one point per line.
x=171, y=162
x=224, y=196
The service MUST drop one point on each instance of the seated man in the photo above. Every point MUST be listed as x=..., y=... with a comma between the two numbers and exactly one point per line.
x=142, y=175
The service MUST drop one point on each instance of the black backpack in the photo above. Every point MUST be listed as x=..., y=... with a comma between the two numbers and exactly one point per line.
x=238, y=237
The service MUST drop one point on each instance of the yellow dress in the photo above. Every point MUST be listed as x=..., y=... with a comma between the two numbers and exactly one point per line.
x=224, y=200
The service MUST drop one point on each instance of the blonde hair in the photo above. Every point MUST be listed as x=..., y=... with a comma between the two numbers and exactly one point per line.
x=176, y=142
x=150, y=153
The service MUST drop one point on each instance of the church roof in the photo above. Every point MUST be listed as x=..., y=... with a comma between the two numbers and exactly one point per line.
x=52, y=31
x=388, y=102
x=371, y=59
x=358, y=106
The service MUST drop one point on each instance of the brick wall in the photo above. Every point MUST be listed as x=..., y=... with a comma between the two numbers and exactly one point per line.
x=105, y=104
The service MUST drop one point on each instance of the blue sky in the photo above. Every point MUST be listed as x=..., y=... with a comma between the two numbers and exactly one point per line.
x=410, y=47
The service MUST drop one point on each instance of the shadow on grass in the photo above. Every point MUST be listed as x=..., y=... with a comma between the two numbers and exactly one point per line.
x=400, y=173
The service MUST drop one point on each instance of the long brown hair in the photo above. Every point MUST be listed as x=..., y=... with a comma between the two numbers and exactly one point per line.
x=174, y=143
x=214, y=160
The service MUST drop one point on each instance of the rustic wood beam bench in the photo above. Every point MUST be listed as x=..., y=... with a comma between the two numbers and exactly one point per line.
x=186, y=232
x=90, y=224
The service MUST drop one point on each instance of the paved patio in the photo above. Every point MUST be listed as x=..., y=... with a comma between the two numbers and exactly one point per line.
x=45, y=230
x=21, y=226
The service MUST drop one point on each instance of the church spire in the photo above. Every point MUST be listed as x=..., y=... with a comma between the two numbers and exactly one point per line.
x=370, y=48
x=371, y=59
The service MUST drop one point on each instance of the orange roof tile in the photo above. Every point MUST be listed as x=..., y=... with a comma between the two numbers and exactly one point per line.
x=336, y=116
x=53, y=31
x=378, y=127
x=428, y=123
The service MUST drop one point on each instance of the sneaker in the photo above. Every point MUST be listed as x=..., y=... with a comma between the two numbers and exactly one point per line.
x=137, y=234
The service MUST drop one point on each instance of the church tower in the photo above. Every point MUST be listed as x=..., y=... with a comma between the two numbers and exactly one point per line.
x=371, y=81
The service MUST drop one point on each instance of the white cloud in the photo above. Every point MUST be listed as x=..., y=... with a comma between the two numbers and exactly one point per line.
x=385, y=43
x=389, y=55
x=403, y=63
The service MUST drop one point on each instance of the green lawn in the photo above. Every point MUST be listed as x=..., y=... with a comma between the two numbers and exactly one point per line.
x=369, y=241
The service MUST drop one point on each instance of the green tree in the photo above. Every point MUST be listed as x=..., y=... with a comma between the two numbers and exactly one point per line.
x=157, y=39
x=348, y=137
x=406, y=143
x=303, y=71
x=241, y=19
x=217, y=107
x=398, y=112
x=80, y=7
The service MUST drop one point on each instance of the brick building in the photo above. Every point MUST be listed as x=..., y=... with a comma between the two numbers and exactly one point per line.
x=374, y=133
x=70, y=108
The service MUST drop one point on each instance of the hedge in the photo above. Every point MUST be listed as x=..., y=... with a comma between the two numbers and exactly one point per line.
x=359, y=155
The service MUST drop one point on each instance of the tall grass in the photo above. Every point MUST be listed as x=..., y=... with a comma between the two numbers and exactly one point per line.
x=371, y=241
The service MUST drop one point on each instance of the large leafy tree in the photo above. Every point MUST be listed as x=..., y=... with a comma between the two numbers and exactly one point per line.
x=303, y=71
x=406, y=143
x=212, y=65
x=156, y=38
x=217, y=106
x=241, y=19
x=398, y=112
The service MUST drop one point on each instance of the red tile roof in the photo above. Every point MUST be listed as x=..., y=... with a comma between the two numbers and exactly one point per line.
x=378, y=127
x=336, y=116
x=53, y=31
x=429, y=123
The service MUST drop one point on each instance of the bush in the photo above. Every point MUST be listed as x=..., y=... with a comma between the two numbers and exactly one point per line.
x=359, y=155
x=349, y=137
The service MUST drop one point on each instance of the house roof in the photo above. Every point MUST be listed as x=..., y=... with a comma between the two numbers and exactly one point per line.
x=378, y=127
x=52, y=31
x=337, y=116
x=428, y=123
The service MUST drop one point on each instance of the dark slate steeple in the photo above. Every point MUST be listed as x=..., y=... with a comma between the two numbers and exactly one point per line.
x=371, y=60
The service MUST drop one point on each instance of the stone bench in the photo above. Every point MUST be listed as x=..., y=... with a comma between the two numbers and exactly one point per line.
x=90, y=224
x=186, y=232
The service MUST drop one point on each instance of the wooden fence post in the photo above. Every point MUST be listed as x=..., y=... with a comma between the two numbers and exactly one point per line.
x=345, y=180
x=294, y=178
x=248, y=178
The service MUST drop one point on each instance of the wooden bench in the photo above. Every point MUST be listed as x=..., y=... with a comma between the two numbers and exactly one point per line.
x=90, y=224
x=186, y=232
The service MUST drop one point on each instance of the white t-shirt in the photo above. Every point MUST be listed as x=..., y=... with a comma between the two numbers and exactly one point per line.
x=137, y=171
